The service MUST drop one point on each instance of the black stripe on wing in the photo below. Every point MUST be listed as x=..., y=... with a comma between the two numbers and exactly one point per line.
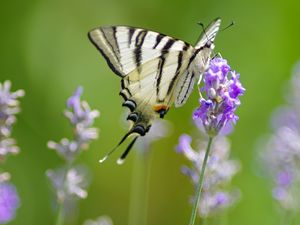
x=161, y=64
x=139, y=40
x=179, y=64
x=108, y=60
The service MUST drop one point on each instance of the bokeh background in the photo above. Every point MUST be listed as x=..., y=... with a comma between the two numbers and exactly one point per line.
x=45, y=51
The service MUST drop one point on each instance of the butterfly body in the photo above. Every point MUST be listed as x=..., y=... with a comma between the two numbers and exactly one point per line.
x=156, y=70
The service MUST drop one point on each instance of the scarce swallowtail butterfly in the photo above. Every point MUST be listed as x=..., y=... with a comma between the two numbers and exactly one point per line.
x=155, y=70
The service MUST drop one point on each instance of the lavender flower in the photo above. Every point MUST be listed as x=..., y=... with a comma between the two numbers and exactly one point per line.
x=218, y=175
x=70, y=182
x=9, y=201
x=82, y=118
x=9, y=107
x=281, y=158
x=102, y=220
x=281, y=150
x=222, y=89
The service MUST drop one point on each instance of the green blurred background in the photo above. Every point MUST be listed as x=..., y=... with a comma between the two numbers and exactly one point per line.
x=45, y=51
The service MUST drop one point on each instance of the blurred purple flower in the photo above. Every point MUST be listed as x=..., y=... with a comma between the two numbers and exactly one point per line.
x=222, y=89
x=9, y=107
x=9, y=202
x=82, y=118
x=218, y=175
x=281, y=150
x=280, y=158
x=69, y=183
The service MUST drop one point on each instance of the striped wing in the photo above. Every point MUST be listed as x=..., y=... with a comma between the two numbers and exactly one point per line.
x=150, y=65
x=151, y=87
x=126, y=49
x=198, y=63
x=209, y=34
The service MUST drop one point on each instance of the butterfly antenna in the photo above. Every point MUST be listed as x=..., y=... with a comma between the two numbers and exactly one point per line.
x=125, y=153
x=111, y=151
x=230, y=25
x=203, y=29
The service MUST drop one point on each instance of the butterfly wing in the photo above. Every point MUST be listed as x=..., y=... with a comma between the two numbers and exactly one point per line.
x=126, y=49
x=198, y=63
x=150, y=65
x=149, y=91
x=209, y=34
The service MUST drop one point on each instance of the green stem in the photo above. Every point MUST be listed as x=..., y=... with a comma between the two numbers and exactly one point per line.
x=139, y=190
x=200, y=184
x=60, y=215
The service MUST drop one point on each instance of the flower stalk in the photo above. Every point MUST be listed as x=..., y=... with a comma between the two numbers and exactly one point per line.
x=200, y=184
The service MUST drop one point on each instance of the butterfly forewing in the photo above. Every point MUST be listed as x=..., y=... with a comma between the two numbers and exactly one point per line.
x=127, y=48
x=209, y=34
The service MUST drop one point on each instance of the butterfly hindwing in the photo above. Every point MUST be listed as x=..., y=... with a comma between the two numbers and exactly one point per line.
x=151, y=88
x=184, y=87
x=199, y=62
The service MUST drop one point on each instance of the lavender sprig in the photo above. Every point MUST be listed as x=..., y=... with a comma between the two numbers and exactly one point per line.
x=70, y=182
x=281, y=157
x=216, y=196
x=9, y=107
x=81, y=118
x=222, y=89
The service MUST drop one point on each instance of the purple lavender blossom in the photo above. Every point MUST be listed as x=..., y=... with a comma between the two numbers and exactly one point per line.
x=222, y=89
x=218, y=175
x=9, y=202
x=281, y=150
x=69, y=183
x=82, y=118
x=281, y=159
x=9, y=107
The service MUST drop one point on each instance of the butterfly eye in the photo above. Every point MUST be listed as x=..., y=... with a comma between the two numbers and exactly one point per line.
x=208, y=43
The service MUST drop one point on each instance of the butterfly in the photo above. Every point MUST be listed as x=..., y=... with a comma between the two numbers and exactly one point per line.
x=156, y=71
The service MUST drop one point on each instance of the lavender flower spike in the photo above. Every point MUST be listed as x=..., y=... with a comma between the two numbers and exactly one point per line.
x=220, y=170
x=82, y=118
x=222, y=89
x=9, y=107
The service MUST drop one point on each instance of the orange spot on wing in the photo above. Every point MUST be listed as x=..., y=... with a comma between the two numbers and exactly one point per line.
x=158, y=108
